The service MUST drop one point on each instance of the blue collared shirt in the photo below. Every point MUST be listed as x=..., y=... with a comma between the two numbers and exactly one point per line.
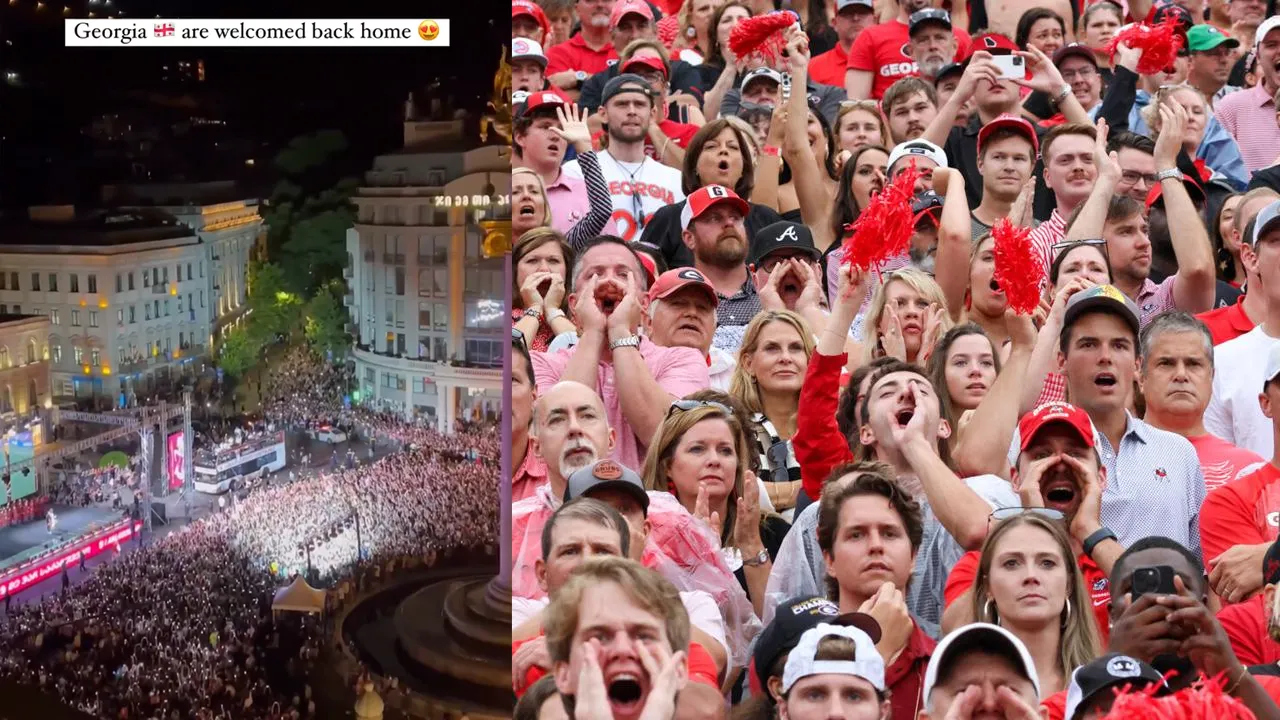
x=1217, y=148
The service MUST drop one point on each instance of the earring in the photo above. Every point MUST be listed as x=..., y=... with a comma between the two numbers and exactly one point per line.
x=691, y=32
x=1066, y=613
x=988, y=613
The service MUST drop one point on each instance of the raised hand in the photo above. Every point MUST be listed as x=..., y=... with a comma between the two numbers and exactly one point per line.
x=1022, y=329
x=746, y=526
x=768, y=293
x=586, y=310
x=592, y=698
x=811, y=295
x=1237, y=573
x=1108, y=164
x=889, y=608
x=702, y=511
x=1020, y=213
x=668, y=675
x=530, y=655
x=891, y=339
x=1173, y=125
x=529, y=292
x=573, y=127
x=1128, y=57
x=1044, y=74
x=932, y=330
x=555, y=294
x=625, y=317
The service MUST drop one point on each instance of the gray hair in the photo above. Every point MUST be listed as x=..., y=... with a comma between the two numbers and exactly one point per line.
x=642, y=280
x=1174, y=321
x=588, y=510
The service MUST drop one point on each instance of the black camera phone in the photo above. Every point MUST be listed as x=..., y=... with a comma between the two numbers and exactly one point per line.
x=1153, y=580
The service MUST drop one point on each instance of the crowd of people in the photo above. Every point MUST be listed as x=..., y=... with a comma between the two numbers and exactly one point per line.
x=182, y=627
x=895, y=359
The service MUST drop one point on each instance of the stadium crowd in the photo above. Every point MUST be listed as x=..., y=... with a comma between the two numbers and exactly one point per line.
x=926, y=366
x=182, y=627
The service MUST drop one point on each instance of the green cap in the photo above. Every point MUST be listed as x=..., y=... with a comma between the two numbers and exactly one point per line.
x=1201, y=38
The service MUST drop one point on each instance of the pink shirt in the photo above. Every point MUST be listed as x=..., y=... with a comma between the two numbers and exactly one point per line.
x=678, y=370
x=531, y=475
x=1223, y=462
x=1250, y=117
x=567, y=198
x=1154, y=299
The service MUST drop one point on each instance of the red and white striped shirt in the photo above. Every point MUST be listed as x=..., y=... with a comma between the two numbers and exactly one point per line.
x=1045, y=235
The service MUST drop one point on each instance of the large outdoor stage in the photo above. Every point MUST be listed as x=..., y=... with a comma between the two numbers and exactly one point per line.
x=29, y=553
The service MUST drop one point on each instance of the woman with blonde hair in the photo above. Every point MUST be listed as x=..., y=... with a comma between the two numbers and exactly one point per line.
x=860, y=123
x=906, y=317
x=539, y=301
x=1218, y=150
x=1029, y=582
x=699, y=455
x=772, y=362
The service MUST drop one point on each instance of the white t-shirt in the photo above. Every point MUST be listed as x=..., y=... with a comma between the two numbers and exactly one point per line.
x=1233, y=413
x=649, y=185
x=702, y=609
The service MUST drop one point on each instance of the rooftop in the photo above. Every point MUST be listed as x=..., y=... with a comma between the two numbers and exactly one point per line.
x=63, y=225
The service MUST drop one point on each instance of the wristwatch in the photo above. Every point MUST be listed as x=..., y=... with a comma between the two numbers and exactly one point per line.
x=532, y=312
x=759, y=559
x=1062, y=95
x=1170, y=174
x=632, y=341
x=1098, y=536
x=554, y=314
x=580, y=76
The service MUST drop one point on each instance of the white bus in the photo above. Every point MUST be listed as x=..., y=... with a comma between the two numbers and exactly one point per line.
x=217, y=470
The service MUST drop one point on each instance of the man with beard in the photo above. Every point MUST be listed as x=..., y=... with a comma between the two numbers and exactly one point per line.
x=637, y=379
x=618, y=640
x=531, y=472
x=1071, y=153
x=1176, y=633
x=1058, y=468
x=589, y=51
x=933, y=44
x=1253, y=626
x=1007, y=148
x=632, y=20
x=639, y=185
x=569, y=430
x=909, y=105
x=882, y=53
x=1121, y=221
x=785, y=271
x=682, y=313
x=852, y=17
x=715, y=232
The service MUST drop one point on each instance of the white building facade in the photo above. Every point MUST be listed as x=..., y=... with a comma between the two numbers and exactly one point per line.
x=427, y=309
x=132, y=296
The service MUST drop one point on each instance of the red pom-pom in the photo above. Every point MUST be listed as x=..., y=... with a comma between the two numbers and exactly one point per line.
x=1018, y=269
x=883, y=230
x=761, y=34
x=668, y=29
x=1202, y=701
x=1159, y=43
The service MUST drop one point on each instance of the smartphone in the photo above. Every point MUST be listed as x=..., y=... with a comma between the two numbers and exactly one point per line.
x=786, y=86
x=1152, y=580
x=1011, y=66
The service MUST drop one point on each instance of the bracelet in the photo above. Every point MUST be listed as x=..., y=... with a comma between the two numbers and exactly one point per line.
x=1243, y=671
x=532, y=312
x=1062, y=95
x=554, y=314
x=770, y=150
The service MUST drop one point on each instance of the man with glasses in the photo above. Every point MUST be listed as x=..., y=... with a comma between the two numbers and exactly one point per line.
x=589, y=51
x=1059, y=474
x=1136, y=156
x=787, y=250
x=1079, y=69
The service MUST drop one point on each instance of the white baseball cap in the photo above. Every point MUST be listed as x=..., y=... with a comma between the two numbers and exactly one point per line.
x=984, y=637
x=920, y=148
x=1271, y=23
x=802, y=662
x=524, y=49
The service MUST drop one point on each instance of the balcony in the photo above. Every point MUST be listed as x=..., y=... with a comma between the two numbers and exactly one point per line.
x=348, y=300
x=160, y=288
x=348, y=272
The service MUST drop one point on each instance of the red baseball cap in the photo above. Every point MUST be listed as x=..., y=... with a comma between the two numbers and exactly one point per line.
x=994, y=43
x=1193, y=189
x=541, y=99
x=707, y=196
x=524, y=7
x=1054, y=412
x=629, y=7
x=653, y=62
x=1013, y=122
x=673, y=281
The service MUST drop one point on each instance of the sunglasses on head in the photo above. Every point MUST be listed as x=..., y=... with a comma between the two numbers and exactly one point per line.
x=686, y=405
x=1005, y=513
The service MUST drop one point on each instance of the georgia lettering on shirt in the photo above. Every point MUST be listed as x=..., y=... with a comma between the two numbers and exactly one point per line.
x=623, y=219
x=899, y=69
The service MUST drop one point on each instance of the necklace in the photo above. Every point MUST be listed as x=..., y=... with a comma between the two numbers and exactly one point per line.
x=637, y=205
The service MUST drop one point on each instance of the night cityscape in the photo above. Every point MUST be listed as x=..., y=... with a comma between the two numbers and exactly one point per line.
x=240, y=480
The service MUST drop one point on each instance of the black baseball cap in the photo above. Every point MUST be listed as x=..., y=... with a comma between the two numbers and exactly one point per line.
x=625, y=83
x=920, y=18
x=1102, y=298
x=927, y=204
x=1271, y=564
x=948, y=70
x=606, y=474
x=781, y=236
x=1106, y=674
x=793, y=618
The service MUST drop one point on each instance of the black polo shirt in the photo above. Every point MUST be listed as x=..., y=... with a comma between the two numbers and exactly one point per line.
x=962, y=153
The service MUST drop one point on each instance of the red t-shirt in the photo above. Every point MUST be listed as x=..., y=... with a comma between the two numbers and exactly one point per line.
x=828, y=68
x=1246, y=627
x=885, y=50
x=1221, y=461
x=1095, y=583
x=575, y=55
x=1055, y=705
x=1227, y=323
x=702, y=667
x=1243, y=512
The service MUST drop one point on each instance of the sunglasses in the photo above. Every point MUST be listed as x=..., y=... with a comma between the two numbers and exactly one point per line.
x=778, y=454
x=686, y=405
x=517, y=337
x=1009, y=512
x=1061, y=247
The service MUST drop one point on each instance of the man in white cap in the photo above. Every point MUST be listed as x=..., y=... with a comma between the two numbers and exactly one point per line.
x=981, y=670
x=834, y=671
x=1233, y=413
x=1250, y=115
x=528, y=66
x=926, y=156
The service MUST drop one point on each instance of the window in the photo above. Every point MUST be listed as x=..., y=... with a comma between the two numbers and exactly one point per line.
x=2, y=282
x=389, y=275
x=155, y=276
x=133, y=314
x=201, y=269
x=146, y=279
x=179, y=304
x=130, y=280
x=121, y=356
x=441, y=349
x=485, y=353
x=120, y=316
x=79, y=355
x=119, y=282
x=188, y=271
x=53, y=318
x=165, y=279
x=31, y=351
x=424, y=316
x=177, y=269
x=399, y=280
x=35, y=281
x=75, y=282
x=201, y=298
x=166, y=307
x=53, y=282
x=155, y=313
x=93, y=318
x=442, y=316
x=75, y=318
x=17, y=309
x=399, y=313
x=13, y=281
x=57, y=353
x=95, y=357
x=93, y=283
x=147, y=311
x=400, y=343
